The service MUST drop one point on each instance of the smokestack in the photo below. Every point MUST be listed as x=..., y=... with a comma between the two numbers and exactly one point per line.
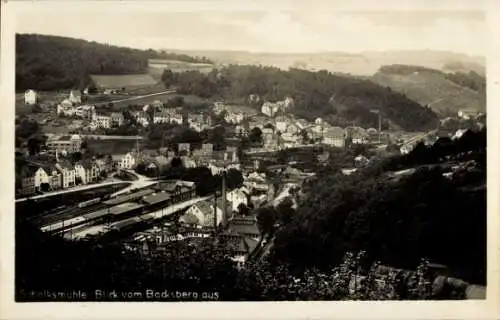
x=224, y=200
x=215, y=211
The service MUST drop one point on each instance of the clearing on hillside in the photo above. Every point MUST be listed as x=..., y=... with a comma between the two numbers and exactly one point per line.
x=127, y=81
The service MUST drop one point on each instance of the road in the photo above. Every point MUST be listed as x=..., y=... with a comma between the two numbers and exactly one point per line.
x=141, y=182
x=141, y=97
x=110, y=137
x=419, y=137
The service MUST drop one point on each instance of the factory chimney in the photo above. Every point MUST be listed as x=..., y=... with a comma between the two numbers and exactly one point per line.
x=224, y=200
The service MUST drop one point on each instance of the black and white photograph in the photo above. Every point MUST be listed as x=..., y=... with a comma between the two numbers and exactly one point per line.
x=262, y=153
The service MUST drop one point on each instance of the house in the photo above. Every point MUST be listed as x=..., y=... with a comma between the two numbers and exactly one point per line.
x=281, y=123
x=100, y=121
x=199, y=122
x=201, y=118
x=270, y=109
x=27, y=183
x=188, y=162
x=357, y=135
x=406, y=148
x=142, y=118
x=234, y=117
x=301, y=124
x=318, y=121
x=176, y=118
x=87, y=171
x=361, y=161
x=202, y=214
x=68, y=174
x=459, y=133
x=129, y=161
x=47, y=177
x=255, y=180
x=237, y=197
x=184, y=147
x=64, y=144
x=84, y=111
x=161, y=117
x=239, y=247
x=242, y=129
x=207, y=148
x=55, y=177
x=117, y=119
x=269, y=139
x=158, y=164
x=468, y=114
x=75, y=96
x=245, y=226
x=30, y=97
x=334, y=136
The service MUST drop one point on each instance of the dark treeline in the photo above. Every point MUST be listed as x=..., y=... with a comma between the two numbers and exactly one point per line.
x=338, y=98
x=51, y=62
x=397, y=221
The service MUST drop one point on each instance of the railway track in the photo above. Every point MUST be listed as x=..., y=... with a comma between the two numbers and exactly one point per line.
x=68, y=214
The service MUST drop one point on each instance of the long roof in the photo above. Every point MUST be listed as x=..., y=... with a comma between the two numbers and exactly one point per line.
x=157, y=198
x=129, y=197
x=125, y=80
x=124, y=207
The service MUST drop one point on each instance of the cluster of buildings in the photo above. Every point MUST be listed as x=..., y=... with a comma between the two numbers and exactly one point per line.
x=215, y=160
x=48, y=174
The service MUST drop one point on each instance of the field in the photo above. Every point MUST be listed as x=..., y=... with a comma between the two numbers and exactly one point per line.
x=115, y=146
x=156, y=67
x=444, y=96
x=241, y=108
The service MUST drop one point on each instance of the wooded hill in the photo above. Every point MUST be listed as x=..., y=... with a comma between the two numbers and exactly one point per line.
x=398, y=219
x=51, y=62
x=445, y=93
x=339, y=99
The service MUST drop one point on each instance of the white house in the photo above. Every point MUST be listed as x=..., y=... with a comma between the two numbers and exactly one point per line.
x=129, y=161
x=468, y=114
x=237, y=197
x=269, y=108
x=68, y=174
x=334, y=136
x=176, y=118
x=41, y=176
x=202, y=214
x=30, y=97
x=100, y=121
x=87, y=171
x=75, y=96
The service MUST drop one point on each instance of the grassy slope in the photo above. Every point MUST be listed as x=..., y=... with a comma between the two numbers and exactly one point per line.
x=426, y=87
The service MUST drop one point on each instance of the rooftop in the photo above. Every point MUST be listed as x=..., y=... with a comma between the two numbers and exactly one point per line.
x=124, y=207
x=157, y=198
x=129, y=197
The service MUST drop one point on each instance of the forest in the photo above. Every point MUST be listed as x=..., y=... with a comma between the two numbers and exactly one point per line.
x=339, y=99
x=52, y=63
x=396, y=220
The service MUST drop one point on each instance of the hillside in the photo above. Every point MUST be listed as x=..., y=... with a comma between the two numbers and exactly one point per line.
x=51, y=62
x=339, y=99
x=444, y=93
x=364, y=63
x=436, y=211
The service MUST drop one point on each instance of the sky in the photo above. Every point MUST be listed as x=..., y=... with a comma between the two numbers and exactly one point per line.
x=292, y=28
